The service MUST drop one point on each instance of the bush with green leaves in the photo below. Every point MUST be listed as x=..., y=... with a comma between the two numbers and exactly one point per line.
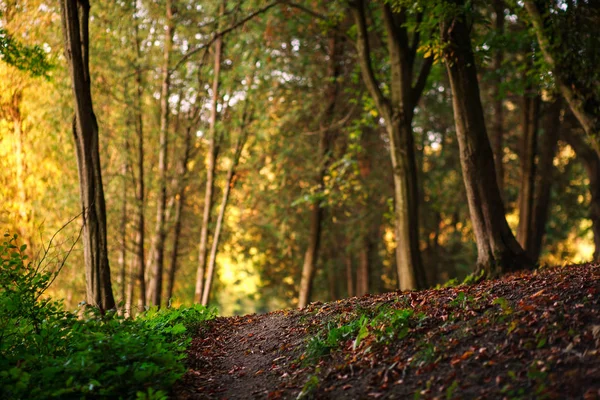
x=47, y=352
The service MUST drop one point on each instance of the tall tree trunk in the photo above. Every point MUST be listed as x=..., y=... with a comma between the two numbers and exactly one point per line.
x=362, y=271
x=498, y=250
x=591, y=162
x=531, y=115
x=123, y=232
x=75, y=20
x=498, y=123
x=137, y=268
x=239, y=147
x=397, y=112
x=548, y=143
x=589, y=121
x=311, y=255
x=213, y=150
x=182, y=172
x=155, y=290
x=349, y=276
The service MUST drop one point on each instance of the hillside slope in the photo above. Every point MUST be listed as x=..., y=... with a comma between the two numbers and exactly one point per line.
x=528, y=335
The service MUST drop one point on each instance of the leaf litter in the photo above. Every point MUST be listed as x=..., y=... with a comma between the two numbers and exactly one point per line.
x=527, y=335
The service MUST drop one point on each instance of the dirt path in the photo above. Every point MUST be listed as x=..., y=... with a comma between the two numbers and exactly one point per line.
x=528, y=335
x=245, y=357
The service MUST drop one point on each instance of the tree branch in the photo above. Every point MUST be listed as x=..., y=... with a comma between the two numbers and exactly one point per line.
x=364, y=58
x=419, y=86
x=225, y=31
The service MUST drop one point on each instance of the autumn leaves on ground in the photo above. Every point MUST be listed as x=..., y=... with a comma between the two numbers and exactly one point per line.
x=528, y=335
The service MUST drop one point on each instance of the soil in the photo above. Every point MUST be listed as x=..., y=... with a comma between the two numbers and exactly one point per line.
x=527, y=335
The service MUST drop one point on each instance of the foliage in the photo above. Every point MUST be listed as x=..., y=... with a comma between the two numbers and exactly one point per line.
x=32, y=59
x=383, y=325
x=48, y=352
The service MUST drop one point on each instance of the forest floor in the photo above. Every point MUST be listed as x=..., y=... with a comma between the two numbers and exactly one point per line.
x=527, y=335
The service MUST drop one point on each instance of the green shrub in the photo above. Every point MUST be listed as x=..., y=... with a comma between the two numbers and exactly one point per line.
x=47, y=352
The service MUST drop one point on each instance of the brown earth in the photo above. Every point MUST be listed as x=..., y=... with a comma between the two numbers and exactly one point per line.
x=528, y=335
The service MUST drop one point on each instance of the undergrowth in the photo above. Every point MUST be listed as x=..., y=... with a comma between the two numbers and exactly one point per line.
x=382, y=325
x=47, y=352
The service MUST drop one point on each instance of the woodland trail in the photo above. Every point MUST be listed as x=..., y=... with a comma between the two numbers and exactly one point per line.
x=527, y=335
x=244, y=357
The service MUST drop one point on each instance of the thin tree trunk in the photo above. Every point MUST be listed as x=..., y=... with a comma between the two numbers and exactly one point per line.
x=75, y=20
x=349, y=277
x=311, y=255
x=137, y=268
x=531, y=115
x=548, y=144
x=362, y=271
x=123, y=233
x=219, y=225
x=213, y=150
x=498, y=123
x=155, y=292
x=498, y=250
x=182, y=172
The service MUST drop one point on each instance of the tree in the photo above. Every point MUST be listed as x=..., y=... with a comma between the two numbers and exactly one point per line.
x=155, y=289
x=325, y=141
x=211, y=157
x=575, y=72
x=397, y=111
x=498, y=250
x=75, y=19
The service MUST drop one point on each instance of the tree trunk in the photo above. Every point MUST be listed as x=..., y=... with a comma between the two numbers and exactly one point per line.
x=75, y=20
x=137, y=268
x=498, y=123
x=213, y=150
x=548, y=144
x=311, y=255
x=397, y=112
x=498, y=250
x=349, y=277
x=182, y=172
x=531, y=115
x=123, y=234
x=591, y=162
x=155, y=292
x=362, y=271
x=219, y=226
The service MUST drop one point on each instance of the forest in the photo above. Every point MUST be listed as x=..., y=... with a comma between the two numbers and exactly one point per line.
x=240, y=157
x=262, y=155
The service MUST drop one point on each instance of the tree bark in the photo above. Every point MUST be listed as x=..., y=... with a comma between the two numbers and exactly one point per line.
x=397, y=112
x=498, y=123
x=498, y=250
x=548, y=144
x=213, y=150
x=155, y=292
x=531, y=115
x=311, y=255
x=75, y=20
